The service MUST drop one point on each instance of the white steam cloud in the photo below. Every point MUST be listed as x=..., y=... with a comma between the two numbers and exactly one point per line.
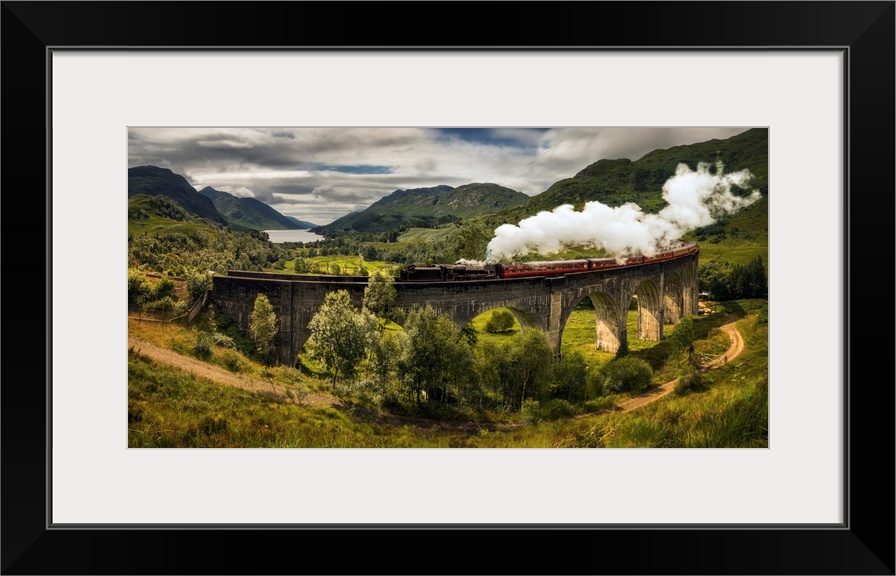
x=695, y=199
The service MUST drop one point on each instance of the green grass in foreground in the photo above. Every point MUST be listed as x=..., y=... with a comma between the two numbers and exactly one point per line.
x=171, y=408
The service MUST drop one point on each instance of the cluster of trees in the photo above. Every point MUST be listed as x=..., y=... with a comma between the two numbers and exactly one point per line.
x=467, y=240
x=162, y=295
x=725, y=282
x=216, y=249
x=433, y=361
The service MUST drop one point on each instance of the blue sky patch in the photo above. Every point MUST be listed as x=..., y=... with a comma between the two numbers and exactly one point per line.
x=354, y=168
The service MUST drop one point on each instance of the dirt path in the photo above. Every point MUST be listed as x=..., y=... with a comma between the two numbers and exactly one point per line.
x=654, y=394
x=222, y=376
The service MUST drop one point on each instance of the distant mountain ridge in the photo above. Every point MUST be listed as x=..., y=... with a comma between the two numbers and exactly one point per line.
x=155, y=181
x=302, y=224
x=426, y=207
x=249, y=212
x=214, y=205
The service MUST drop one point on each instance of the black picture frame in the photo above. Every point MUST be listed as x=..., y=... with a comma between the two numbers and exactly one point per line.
x=864, y=544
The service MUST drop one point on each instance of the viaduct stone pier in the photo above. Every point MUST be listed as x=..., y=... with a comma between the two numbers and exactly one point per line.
x=666, y=291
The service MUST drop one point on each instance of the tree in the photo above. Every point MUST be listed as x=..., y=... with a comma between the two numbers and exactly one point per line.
x=384, y=351
x=568, y=380
x=501, y=321
x=263, y=325
x=341, y=334
x=627, y=374
x=138, y=290
x=739, y=281
x=434, y=355
x=757, y=280
x=301, y=266
x=532, y=360
x=164, y=288
x=198, y=282
x=380, y=295
x=682, y=337
x=472, y=241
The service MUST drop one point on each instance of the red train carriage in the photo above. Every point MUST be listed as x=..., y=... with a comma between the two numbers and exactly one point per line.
x=449, y=272
x=541, y=268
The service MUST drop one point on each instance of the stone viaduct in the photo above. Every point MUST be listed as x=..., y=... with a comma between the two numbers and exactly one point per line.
x=666, y=291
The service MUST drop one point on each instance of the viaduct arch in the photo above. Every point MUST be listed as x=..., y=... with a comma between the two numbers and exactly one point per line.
x=666, y=290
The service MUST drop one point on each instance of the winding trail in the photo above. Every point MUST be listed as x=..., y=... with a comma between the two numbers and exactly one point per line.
x=654, y=394
x=223, y=376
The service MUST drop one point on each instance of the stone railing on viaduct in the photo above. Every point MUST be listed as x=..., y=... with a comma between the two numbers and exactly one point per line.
x=666, y=291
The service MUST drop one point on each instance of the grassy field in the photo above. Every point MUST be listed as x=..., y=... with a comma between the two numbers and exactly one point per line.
x=164, y=226
x=348, y=265
x=168, y=407
x=733, y=252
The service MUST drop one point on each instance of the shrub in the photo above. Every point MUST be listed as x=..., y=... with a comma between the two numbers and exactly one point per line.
x=223, y=340
x=594, y=384
x=203, y=347
x=597, y=404
x=531, y=411
x=231, y=361
x=689, y=380
x=166, y=304
x=197, y=283
x=138, y=289
x=164, y=288
x=628, y=374
x=501, y=321
x=557, y=408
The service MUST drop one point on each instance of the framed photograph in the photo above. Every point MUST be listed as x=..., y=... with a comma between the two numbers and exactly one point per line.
x=94, y=89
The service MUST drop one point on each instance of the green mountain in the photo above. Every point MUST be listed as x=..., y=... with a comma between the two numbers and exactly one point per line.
x=615, y=182
x=426, y=207
x=249, y=212
x=143, y=208
x=302, y=224
x=154, y=181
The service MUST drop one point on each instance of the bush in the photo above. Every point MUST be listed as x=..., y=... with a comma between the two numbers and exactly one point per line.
x=166, y=304
x=223, y=340
x=501, y=321
x=231, y=361
x=594, y=384
x=197, y=283
x=203, y=347
x=557, y=408
x=597, y=404
x=628, y=374
x=138, y=289
x=689, y=380
x=531, y=411
x=164, y=288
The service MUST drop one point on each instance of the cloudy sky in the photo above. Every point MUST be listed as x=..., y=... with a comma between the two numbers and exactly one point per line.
x=320, y=174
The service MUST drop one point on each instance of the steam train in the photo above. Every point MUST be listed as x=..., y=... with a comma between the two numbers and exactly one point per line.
x=462, y=272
